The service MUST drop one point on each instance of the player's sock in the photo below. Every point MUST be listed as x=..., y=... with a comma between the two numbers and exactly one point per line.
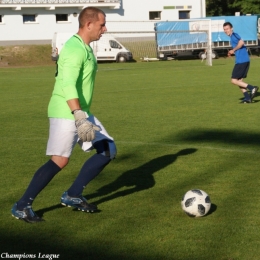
x=249, y=87
x=246, y=95
x=40, y=179
x=92, y=167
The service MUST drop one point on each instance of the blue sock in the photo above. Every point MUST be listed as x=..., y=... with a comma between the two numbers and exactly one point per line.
x=92, y=167
x=246, y=95
x=249, y=87
x=40, y=179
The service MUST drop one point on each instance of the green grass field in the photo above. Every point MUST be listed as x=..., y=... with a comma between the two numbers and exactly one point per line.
x=178, y=125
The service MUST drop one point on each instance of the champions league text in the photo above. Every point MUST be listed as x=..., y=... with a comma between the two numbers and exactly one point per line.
x=29, y=256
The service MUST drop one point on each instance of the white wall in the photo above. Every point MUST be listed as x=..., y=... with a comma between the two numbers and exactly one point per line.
x=140, y=12
x=12, y=27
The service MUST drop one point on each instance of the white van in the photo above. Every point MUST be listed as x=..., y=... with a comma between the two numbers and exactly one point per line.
x=106, y=48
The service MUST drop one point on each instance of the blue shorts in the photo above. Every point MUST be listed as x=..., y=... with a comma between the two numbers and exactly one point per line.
x=240, y=70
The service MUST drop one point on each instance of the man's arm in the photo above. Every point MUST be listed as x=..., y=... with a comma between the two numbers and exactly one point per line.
x=239, y=45
x=74, y=104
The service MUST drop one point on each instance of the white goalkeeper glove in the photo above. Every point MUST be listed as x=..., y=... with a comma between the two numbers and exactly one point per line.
x=86, y=130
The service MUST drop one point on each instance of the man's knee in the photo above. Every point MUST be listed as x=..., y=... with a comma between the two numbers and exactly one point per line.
x=106, y=148
x=60, y=160
x=234, y=81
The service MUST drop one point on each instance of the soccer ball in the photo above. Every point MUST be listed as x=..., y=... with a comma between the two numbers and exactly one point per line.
x=196, y=203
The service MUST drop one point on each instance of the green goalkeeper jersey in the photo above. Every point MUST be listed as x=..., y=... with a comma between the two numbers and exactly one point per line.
x=75, y=78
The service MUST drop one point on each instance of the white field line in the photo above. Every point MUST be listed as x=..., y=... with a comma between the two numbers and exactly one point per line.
x=135, y=89
x=182, y=146
x=188, y=146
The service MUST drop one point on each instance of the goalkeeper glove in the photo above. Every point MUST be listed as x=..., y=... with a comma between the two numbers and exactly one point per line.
x=86, y=130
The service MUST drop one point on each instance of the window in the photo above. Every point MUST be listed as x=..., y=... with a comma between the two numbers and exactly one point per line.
x=114, y=44
x=184, y=14
x=155, y=15
x=61, y=18
x=29, y=18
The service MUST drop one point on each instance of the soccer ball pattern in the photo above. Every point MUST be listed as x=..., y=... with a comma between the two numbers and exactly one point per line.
x=196, y=203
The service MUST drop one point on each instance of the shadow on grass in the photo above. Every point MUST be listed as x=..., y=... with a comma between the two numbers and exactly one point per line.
x=141, y=178
x=53, y=207
x=225, y=136
x=35, y=241
x=41, y=244
x=213, y=208
x=41, y=212
x=137, y=179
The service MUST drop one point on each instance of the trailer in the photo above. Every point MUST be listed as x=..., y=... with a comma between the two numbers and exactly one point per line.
x=193, y=37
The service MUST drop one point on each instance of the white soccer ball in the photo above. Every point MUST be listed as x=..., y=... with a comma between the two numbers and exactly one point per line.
x=196, y=203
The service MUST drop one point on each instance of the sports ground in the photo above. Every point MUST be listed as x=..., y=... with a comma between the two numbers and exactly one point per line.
x=178, y=125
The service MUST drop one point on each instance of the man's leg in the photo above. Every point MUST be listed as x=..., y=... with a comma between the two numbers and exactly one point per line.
x=23, y=208
x=243, y=87
x=239, y=72
x=106, y=151
x=252, y=91
x=61, y=141
x=39, y=181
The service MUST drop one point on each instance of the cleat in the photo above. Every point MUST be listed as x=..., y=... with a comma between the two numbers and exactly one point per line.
x=253, y=92
x=27, y=214
x=79, y=203
x=244, y=101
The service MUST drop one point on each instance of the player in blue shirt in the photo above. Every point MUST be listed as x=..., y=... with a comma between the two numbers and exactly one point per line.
x=242, y=64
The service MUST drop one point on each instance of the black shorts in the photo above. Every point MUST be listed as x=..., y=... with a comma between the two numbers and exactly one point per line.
x=240, y=70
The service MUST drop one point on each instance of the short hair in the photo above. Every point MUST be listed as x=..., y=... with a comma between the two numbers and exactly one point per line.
x=89, y=14
x=228, y=23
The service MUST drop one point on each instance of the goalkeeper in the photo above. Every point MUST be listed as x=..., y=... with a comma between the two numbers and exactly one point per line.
x=71, y=121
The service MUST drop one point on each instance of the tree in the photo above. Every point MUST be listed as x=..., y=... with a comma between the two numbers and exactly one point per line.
x=220, y=7
x=246, y=6
x=229, y=7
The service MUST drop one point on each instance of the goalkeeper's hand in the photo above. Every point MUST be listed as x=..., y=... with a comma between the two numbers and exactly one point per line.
x=86, y=130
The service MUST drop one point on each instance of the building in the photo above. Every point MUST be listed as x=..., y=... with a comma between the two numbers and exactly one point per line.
x=35, y=21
